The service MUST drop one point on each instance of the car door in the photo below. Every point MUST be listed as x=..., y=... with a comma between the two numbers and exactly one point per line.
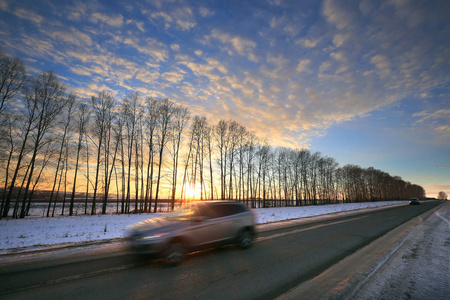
x=222, y=222
x=203, y=227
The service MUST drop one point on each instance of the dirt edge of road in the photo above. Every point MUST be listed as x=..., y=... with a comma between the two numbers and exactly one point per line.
x=348, y=276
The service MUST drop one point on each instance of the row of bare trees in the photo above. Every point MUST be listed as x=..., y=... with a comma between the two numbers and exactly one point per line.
x=135, y=152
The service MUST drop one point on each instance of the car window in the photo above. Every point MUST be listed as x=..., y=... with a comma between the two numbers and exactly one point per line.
x=223, y=210
x=205, y=211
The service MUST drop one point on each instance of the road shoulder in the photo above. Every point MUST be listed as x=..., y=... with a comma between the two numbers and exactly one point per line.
x=355, y=276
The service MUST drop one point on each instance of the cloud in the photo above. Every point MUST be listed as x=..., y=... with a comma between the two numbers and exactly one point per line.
x=277, y=21
x=147, y=76
x=239, y=44
x=81, y=70
x=111, y=20
x=424, y=115
x=338, y=14
x=308, y=42
x=217, y=65
x=4, y=5
x=139, y=25
x=433, y=190
x=439, y=120
x=180, y=17
x=412, y=15
x=444, y=167
x=185, y=24
x=37, y=47
x=206, y=12
x=295, y=72
x=164, y=16
x=202, y=70
x=72, y=36
x=366, y=6
x=28, y=15
x=444, y=129
x=339, y=39
x=173, y=77
x=148, y=46
x=382, y=63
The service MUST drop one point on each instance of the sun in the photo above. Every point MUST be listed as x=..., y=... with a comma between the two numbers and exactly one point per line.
x=193, y=191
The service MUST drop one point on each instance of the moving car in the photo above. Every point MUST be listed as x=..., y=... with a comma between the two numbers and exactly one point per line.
x=414, y=201
x=198, y=225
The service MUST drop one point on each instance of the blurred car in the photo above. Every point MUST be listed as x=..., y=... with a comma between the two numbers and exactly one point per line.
x=196, y=226
x=414, y=201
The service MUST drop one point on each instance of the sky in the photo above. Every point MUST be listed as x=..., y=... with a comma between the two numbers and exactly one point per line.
x=365, y=82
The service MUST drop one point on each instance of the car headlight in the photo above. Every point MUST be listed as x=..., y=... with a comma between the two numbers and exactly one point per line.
x=156, y=236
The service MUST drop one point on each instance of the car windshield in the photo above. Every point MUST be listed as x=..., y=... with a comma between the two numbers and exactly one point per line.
x=185, y=212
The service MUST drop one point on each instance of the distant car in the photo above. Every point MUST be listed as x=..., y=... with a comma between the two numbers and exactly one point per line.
x=414, y=201
x=198, y=225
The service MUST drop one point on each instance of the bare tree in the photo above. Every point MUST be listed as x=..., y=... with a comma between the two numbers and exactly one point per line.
x=131, y=113
x=132, y=141
x=179, y=123
x=151, y=118
x=101, y=106
x=46, y=94
x=242, y=141
x=8, y=148
x=234, y=131
x=119, y=144
x=12, y=80
x=109, y=154
x=209, y=148
x=66, y=127
x=164, y=118
x=250, y=154
x=46, y=156
x=222, y=141
x=191, y=150
x=442, y=195
x=83, y=119
x=88, y=181
x=199, y=153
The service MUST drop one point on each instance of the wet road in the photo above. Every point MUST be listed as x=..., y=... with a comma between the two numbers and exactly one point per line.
x=280, y=259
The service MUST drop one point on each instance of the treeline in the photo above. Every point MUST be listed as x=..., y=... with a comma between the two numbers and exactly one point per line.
x=136, y=151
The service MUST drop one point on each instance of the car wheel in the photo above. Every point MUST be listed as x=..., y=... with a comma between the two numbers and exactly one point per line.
x=245, y=239
x=175, y=253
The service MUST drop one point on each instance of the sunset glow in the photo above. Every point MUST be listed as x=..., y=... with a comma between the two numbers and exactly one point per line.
x=193, y=192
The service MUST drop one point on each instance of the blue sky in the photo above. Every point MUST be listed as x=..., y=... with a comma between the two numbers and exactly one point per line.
x=365, y=82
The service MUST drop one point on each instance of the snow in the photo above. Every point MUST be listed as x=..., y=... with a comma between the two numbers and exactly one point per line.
x=420, y=268
x=39, y=232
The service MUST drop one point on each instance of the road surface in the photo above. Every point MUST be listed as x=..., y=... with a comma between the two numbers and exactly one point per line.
x=281, y=259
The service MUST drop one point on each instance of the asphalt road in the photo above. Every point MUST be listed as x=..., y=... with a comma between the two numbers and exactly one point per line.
x=281, y=259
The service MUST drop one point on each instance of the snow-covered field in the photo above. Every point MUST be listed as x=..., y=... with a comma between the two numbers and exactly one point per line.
x=35, y=232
